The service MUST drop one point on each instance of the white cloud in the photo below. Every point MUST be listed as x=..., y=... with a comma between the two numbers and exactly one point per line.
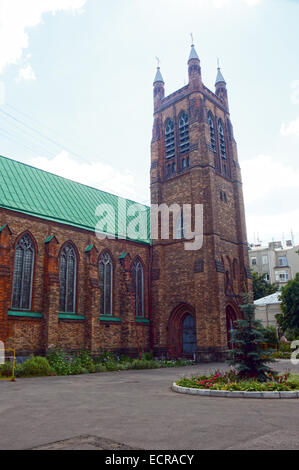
x=95, y=174
x=295, y=92
x=270, y=193
x=16, y=16
x=26, y=73
x=263, y=174
x=291, y=129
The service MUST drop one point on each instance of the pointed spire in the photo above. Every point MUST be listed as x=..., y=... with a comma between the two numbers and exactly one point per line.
x=158, y=77
x=219, y=78
x=193, y=54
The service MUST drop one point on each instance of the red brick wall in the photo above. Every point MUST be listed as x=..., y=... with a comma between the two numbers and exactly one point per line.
x=27, y=334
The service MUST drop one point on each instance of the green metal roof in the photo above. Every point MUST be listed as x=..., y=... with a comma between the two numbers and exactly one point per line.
x=38, y=193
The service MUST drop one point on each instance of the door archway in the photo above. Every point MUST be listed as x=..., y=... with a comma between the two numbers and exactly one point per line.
x=182, y=332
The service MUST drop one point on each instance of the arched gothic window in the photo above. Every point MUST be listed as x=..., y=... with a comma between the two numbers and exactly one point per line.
x=212, y=132
x=67, y=278
x=106, y=283
x=23, y=274
x=169, y=139
x=138, y=282
x=184, y=133
x=222, y=139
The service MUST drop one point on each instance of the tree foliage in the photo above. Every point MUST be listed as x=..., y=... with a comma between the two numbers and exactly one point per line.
x=248, y=357
x=262, y=288
x=289, y=319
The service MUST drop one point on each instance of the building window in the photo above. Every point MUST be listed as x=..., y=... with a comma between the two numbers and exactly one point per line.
x=23, y=274
x=184, y=164
x=222, y=140
x=265, y=259
x=169, y=139
x=67, y=278
x=106, y=283
x=282, y=276
x=184, y=132
x=282, y=261
x=138, y=282
x=212, y=132
x=253, y=261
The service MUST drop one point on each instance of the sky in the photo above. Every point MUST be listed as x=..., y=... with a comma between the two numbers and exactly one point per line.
x=76, y=91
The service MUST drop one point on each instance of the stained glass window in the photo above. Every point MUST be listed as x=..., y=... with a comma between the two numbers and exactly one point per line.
x=106, y=283
x=67, y=277
x=23, y=274
x=138, y=282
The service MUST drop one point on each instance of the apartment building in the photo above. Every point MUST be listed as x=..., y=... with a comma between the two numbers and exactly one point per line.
x=279, y=263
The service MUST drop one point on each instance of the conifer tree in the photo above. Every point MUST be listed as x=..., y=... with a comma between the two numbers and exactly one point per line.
x=249, y=359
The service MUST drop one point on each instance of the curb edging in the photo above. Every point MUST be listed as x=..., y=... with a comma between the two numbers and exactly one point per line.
x=238, y=394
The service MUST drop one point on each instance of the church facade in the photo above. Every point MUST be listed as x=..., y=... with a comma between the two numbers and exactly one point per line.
x=62, y=286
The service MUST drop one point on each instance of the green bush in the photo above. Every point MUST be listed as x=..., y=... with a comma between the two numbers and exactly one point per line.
x=270, y=335
x=33, y=367
x=100, y=368
x=105, y=356
x=285, y=347
x=86, y=361
x=148, y=356
x=112, y=366
x=60, y=361
x=75, y=367
x=6, y=369
x=124, y=358
x=37, y=367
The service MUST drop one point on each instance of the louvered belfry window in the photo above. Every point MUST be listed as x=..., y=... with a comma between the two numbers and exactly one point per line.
x=23, y=274
x=106, y=283
x=212, y=132
x=67, y=277
x=222, y=139
x=169, y=139
x=184, y=133
x=138, y=282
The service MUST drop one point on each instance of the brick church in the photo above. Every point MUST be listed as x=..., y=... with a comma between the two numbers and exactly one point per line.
x=63, y=287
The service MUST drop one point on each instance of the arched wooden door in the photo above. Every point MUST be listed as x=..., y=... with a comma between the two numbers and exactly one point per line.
x=189, y=335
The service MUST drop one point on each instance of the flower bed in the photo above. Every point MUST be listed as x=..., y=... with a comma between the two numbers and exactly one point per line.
x=230, y=382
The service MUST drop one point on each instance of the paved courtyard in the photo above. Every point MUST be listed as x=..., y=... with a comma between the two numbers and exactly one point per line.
x=138, y=410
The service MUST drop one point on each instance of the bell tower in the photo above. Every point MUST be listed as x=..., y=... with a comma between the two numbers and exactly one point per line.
x=196, y=294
